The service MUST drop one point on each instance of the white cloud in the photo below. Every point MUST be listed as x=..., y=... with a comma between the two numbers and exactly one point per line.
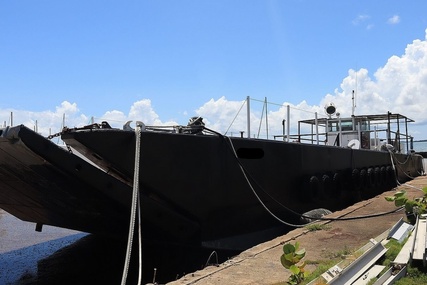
x=363, y=19
x=46, y=122
x=219, y=114
x=399, y=86
x=370, y=26
x=360, y=18
x=395, y=19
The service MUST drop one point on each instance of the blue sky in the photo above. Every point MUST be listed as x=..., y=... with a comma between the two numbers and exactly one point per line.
x=165, y=61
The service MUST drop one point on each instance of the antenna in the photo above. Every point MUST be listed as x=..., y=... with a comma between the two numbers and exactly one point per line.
x=353, y=97
x=353, y=104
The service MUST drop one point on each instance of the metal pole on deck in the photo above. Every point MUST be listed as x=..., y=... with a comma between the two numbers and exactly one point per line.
x=283, y=129
x=375, y=137
x=248, y=106
x=289, y=122
x=388, y=128
x=406, y=135
x=317, y=128
x=266, y=116
x=340, y=131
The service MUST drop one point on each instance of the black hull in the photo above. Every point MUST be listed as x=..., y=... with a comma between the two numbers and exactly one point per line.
x=44, y=183
x=199, y=177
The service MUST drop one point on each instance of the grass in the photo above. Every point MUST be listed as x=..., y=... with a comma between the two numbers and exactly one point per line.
x=322, y=266
x=394, y=248
x=413, y=277
x=317, y=227
x=339, y=255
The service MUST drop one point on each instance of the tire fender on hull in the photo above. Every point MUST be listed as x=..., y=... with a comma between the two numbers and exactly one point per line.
x=310, y=189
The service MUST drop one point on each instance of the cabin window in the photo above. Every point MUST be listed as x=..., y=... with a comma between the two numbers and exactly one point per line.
x=346, y=125
x=333, y=126
x=364, y=126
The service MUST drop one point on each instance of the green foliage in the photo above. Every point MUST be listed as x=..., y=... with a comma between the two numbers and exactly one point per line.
x=413, y=277
x=340, y=254
x=291, y=259
x=417, y=206
x=393, y=249
x=317, y=227
x=322, y=267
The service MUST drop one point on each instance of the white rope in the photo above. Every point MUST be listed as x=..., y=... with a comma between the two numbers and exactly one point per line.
x=256, y=195
x=392, y=158
x=134, y=210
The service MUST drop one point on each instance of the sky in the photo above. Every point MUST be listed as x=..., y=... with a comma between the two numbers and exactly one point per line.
x=164, y=61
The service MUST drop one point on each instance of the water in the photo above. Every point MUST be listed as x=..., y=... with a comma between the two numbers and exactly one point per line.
x=61, y=256
x=420, y=146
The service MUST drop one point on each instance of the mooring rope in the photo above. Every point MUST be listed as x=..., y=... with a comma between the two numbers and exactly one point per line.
x=134, y=210
x=246, y=174
x=392, y=158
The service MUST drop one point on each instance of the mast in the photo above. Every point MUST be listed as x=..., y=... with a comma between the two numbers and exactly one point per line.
x=353, y=105
x=248, y=116
x=289, y=124
x=266, y=115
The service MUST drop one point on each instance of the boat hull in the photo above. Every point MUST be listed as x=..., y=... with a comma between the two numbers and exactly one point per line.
x=44, y=183
x=232, y=187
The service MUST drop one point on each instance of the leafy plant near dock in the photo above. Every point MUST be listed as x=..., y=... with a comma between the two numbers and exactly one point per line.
x=413, y=207
x=292, y=259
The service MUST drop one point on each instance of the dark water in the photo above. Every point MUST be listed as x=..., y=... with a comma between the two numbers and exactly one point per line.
x=96, y=260
x=80, y=258
x=61, y=256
